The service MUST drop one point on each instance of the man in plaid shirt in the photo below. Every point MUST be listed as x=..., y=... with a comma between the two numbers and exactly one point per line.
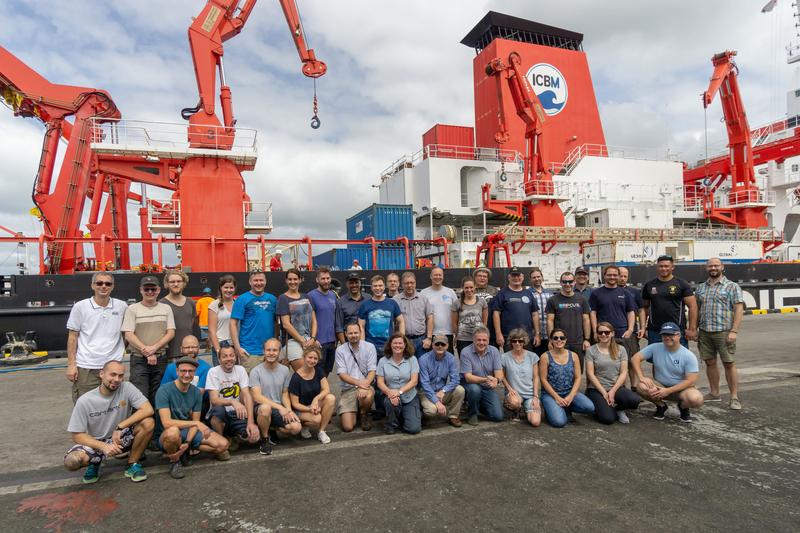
x=721, y=307
x=541, y=295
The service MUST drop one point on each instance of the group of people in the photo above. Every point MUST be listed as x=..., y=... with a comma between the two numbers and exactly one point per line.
x=401, y=355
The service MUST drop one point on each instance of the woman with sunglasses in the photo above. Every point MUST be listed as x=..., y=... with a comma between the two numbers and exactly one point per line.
x=219, y=316
x=606, y=371
x=398, y=375
x=521, y=378
x=469, y=312
x=560, y=372
x=298, y=320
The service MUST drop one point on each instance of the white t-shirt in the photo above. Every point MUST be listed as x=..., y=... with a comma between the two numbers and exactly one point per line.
x=442, y=304
x=99, y=335
x=223, y=320
x=228, y=384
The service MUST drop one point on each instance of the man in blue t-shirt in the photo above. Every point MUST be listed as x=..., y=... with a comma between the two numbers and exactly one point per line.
x=675, y=372
x=323, y=300
x=380, y=316
x=253, y=321
x=613, y=304
x=515, y=307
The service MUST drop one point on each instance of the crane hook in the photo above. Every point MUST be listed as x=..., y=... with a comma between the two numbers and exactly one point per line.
x=315, y=122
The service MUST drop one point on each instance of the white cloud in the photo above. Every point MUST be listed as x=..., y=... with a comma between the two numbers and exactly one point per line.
x=395, y=69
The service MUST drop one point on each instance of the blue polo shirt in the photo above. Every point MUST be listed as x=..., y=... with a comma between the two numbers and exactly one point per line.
x=670, y=368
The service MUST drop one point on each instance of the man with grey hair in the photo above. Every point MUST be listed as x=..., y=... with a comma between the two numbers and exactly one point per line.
x=94, y=335
x=721, y=308
x=417, y=313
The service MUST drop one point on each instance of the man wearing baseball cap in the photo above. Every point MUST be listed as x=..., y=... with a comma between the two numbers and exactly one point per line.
x=148, y=327
x=514, y=307
x=675, y=372
x=439, y=378
x=582, y=283
x=347, y=306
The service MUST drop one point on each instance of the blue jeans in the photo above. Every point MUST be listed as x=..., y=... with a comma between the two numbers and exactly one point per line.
x=557, y=415
x=408, y=414
x=484, y=400
x=654, y=336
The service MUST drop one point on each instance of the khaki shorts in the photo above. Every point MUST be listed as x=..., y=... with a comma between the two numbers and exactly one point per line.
x=712, y=343
x=348, y=401
x=252, y=361
x=88, y=379
x=674, y=397
x=293, y=350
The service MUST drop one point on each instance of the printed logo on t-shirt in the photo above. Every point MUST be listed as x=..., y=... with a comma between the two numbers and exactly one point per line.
x=653, y=290
x=379, y=323
x=231, y=391
x=569, y=305
x=526, y=300
x=673, y=289
x=264, y=305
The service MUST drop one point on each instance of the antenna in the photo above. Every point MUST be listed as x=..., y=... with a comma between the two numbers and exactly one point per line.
x=793, y=48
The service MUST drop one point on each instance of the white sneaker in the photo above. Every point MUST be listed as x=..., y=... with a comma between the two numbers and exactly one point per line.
x=323, y=437
x=305, y=433
x=623, y=418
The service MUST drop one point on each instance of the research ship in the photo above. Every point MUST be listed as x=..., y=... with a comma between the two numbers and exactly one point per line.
x=531, y=182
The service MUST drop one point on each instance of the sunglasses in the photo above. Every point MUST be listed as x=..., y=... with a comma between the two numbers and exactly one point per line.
x=558, y=338
x=603, y=333
x=103, y=283
x=567, y=281
x=517, y=341
x=150, y=289
x=440, y=344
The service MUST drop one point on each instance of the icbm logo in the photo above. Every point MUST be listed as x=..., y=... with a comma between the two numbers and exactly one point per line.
x=550, y=86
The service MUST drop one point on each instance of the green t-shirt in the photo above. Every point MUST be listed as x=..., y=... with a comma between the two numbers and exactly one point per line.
x=181, y=405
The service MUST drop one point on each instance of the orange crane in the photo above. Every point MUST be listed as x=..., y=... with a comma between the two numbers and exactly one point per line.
x=209, y=195
x=745, y=204
x=537, y=209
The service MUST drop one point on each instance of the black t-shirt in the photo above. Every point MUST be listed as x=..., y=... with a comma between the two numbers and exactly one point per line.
x=568, y=314
x=516, y=310
x=306, y=389
x=666, y=302
x=612, y=305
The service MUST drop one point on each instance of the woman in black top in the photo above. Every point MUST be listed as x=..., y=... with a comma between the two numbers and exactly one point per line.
x=311, y=396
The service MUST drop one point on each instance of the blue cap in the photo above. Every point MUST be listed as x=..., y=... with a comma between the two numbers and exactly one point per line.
x=670, y=328
x=207, y=290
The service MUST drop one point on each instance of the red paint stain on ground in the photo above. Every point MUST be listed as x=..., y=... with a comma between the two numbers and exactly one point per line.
x=83, y=507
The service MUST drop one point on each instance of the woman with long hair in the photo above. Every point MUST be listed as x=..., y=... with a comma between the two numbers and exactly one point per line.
x=298, y=320
x=560, y=372
x=469, y=312
x=219, y=316
x=606, y=372
x=398, y=375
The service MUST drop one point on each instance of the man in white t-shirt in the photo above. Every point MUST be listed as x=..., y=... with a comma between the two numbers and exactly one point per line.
x=94, y=335
x=231, y=412
x=441, y=299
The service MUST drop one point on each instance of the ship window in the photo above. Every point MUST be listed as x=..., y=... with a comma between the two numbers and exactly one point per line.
x=797, y=93
x=795, y=167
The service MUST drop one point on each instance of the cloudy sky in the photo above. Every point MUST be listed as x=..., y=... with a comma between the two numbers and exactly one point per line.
x=395, y=69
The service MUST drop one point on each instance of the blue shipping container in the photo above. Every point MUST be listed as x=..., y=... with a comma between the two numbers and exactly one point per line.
x=381, y=221
x=389, y=258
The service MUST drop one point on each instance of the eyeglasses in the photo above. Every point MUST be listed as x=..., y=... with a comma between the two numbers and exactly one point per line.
x=440, y=344
x=517, y=341
x=104, y=283
x=567, y=281
x=604, y=332
x=558, y=338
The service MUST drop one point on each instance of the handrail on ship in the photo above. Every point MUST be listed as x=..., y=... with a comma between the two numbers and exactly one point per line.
x=106, y=245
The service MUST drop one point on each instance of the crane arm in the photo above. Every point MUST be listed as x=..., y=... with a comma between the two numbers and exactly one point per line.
x=312, y=67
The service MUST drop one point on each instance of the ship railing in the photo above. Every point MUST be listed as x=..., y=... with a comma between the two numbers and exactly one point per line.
x=164, y=216
x=695, y=198
x=548, y=190
x=444, y=151
x=472, y=234
x=608, y=151
x=158, y=139
x=257, y=217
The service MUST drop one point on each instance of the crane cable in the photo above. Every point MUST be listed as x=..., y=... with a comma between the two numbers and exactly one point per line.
x=315, y=121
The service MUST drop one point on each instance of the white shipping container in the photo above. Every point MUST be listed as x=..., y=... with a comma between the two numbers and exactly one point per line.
x=632, y=252
x=728, y=251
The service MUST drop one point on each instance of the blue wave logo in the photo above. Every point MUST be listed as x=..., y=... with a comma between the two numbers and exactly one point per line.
x=550, y=87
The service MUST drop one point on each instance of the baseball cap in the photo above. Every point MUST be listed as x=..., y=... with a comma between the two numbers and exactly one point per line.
x=439, y=338
x=207, y=290
x=514, y=271
x=669, y=328
x=148, y=280
x=353, y=276
x=581, y=270
x=187, y=361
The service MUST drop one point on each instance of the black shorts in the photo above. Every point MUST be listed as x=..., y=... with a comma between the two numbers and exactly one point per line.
x=275, y=418
x=233, y=427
